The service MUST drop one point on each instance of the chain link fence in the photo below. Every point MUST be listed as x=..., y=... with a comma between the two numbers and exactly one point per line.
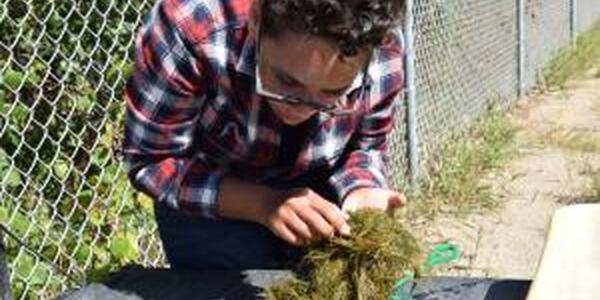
x=67, y=209
x=465, y=55
x=471, y=54
x=586, y=14
x=71, y=214
x=546, y=30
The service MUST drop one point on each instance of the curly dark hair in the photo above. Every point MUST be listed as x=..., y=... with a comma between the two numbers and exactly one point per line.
x=351, y=24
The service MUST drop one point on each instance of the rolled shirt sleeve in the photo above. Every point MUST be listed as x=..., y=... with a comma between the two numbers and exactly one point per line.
x=364, y=164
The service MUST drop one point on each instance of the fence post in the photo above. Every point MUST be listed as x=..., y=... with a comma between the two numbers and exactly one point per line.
x=521, y=47
x=573, y=22
x=413, y=142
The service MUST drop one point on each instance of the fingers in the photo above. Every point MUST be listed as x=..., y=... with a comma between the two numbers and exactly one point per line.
x=333, y=215
x=317, y=223
x=305, y=216
x=381, y=199
x=283, y=232
x=299, y=227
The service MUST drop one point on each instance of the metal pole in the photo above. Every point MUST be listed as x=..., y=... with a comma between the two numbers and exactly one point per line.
x=573, y=19
x=521, y=47
x=413, y=142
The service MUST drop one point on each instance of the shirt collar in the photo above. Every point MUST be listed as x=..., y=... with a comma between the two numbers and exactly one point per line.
x=247, y=61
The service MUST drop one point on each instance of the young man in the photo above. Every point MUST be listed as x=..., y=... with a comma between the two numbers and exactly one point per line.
x=257, y=125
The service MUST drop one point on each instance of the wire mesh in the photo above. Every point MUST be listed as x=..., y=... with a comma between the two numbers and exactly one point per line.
x=397, y=148
x=587, y=12
x=465, y=58
x=546, y=31
x=64, y=195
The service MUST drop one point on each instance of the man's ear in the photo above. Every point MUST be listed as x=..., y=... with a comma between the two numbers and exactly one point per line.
x=254, y=18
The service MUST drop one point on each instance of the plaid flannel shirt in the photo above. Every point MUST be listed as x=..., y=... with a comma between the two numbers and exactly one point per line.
x=193, y=115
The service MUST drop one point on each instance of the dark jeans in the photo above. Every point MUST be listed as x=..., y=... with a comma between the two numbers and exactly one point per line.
x=201, y=243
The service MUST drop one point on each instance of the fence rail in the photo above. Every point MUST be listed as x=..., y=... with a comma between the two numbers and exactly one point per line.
x=64, y=197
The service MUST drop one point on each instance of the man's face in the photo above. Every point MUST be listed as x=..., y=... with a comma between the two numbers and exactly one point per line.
x=308, y=67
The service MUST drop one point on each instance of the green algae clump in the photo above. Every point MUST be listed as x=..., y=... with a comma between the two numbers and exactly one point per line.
x=362, y=266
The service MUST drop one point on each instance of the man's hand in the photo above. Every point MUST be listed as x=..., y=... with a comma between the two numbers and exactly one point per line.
x=301, y=215
x=383, y=199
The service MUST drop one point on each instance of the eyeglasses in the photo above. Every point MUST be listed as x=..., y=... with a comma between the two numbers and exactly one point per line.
x=336, y=107
x=333, y=108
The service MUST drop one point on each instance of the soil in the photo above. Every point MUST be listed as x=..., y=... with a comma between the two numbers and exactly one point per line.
x=508, y=241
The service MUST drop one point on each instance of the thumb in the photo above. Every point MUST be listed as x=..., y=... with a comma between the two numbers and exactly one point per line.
x=349, y=205
x=396, y=200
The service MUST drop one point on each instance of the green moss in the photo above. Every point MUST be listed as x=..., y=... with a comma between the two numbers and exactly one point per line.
x=364, y=265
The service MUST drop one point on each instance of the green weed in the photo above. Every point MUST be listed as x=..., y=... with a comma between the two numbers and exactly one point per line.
x=573, y=62
x=454, y=175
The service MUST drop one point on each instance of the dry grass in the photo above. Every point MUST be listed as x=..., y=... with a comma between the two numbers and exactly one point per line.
x=572, y=140
x=595, y=187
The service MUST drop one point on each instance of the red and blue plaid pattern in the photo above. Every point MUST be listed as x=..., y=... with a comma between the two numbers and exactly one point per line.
x=193, y=116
